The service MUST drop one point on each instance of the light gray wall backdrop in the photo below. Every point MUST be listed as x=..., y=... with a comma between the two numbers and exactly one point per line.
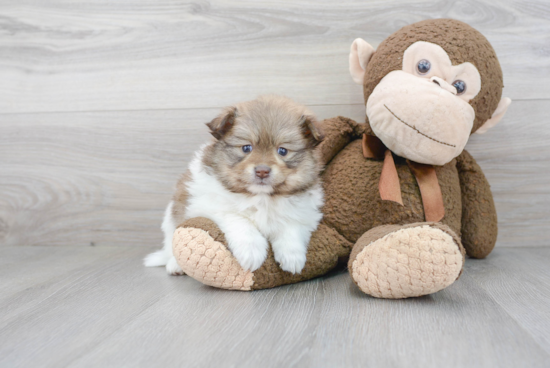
x=103, y=102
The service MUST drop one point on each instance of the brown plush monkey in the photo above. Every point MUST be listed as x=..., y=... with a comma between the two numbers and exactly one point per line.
x=403, y=201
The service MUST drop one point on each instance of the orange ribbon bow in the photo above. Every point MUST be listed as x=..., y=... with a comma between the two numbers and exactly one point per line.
x=390, y=188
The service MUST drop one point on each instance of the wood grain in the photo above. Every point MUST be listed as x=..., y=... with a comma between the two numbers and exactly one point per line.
x=93, y=177
x=104, y=55
x=97, y=306
x=73, y=298
x=104, y=177
x=522, y=291
x=102, y=105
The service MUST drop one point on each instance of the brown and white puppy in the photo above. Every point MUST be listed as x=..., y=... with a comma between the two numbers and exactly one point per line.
x=258, y=180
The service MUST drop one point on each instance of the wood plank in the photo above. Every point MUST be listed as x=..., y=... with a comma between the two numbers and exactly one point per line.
x=514, y=156
x=324, y=323
x=519, y=281
x=93, y=177
x=55, y=56
x=105, y=177
x=31, y=275
x=98, y=306
x=70, y=302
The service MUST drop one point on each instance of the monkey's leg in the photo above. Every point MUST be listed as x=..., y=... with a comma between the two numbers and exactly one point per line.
x=402, y=261
x=200, y=250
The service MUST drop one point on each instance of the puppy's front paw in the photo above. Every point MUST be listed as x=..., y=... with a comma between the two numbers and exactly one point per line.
x=290, y=252
x=250, y=250
x=291, y=260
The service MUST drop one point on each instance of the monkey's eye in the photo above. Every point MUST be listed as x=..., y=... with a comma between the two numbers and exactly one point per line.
x=282, y=151
x=460, y=86
x=247, y=148
x=423, y=66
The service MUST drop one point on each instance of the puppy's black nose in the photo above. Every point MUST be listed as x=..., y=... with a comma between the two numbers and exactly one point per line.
x=262, y=171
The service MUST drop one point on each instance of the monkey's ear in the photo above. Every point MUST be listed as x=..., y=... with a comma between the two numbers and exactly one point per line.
x=311, y=130
x=497, y=115
x=223, y=122
x=359, y=57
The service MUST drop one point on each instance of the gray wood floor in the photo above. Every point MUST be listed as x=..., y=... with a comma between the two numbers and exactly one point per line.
x=98, y=307
x=103, y=102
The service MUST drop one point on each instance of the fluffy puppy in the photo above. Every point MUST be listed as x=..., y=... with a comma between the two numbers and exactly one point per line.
x=258, y=181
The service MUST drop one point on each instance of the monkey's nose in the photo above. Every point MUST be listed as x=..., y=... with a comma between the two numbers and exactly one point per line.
x=443, y=84
x=262, y=171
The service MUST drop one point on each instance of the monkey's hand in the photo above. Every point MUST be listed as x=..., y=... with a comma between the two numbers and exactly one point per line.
x=479, y=217
x=338, y=132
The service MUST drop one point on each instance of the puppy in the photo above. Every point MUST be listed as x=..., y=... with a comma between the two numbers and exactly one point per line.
x=258, y=181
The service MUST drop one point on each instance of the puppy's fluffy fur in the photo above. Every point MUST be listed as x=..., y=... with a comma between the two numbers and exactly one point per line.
x=258, y=181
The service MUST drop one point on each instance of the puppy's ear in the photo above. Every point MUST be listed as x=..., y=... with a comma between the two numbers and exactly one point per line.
x=311, y=129
x=223, y=122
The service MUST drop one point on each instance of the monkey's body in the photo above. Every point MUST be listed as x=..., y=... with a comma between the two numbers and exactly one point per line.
x=364, y=209
x=393, y=251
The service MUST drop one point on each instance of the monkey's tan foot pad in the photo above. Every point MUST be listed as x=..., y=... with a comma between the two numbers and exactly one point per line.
x=203, y=255
x=396, y=262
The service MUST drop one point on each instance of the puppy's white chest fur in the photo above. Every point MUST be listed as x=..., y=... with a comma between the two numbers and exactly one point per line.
x=249, y=221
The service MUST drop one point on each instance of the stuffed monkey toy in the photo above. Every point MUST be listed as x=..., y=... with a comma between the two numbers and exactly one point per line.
x=404, y=202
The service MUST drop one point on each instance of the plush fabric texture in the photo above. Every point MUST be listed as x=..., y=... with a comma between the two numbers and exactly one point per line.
x=389, y=187
x=432, y=199
x=385, y=263
x=327, y=249
x=339, y=131
x=424, y=256
x=353, y=204
x=461, y=42
x=479, y=218
x=209, y=261
x=442, y=121
x=436, y=55
x=199, y=247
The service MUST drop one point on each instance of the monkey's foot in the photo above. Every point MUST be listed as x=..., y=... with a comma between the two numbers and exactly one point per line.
x=200, y=250
x=395, y=261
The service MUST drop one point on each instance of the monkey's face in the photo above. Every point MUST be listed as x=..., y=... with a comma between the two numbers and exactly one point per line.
x=422, y=112
x=428, y=87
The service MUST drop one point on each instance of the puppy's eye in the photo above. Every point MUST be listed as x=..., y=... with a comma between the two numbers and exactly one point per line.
x=247, y=148
x=282, y=151
x=460, y=86
x=423, y=66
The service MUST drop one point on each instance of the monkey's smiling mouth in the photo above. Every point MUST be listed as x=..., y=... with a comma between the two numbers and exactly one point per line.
x=416, y=130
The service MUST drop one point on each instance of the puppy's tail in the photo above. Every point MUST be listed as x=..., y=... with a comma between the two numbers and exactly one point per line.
x=161, y=257
x=158, y=258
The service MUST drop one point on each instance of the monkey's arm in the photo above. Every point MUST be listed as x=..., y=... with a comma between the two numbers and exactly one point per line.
x=338, y=132
x=479, y=216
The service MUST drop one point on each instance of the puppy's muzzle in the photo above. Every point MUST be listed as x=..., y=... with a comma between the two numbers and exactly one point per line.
x=262, y=171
